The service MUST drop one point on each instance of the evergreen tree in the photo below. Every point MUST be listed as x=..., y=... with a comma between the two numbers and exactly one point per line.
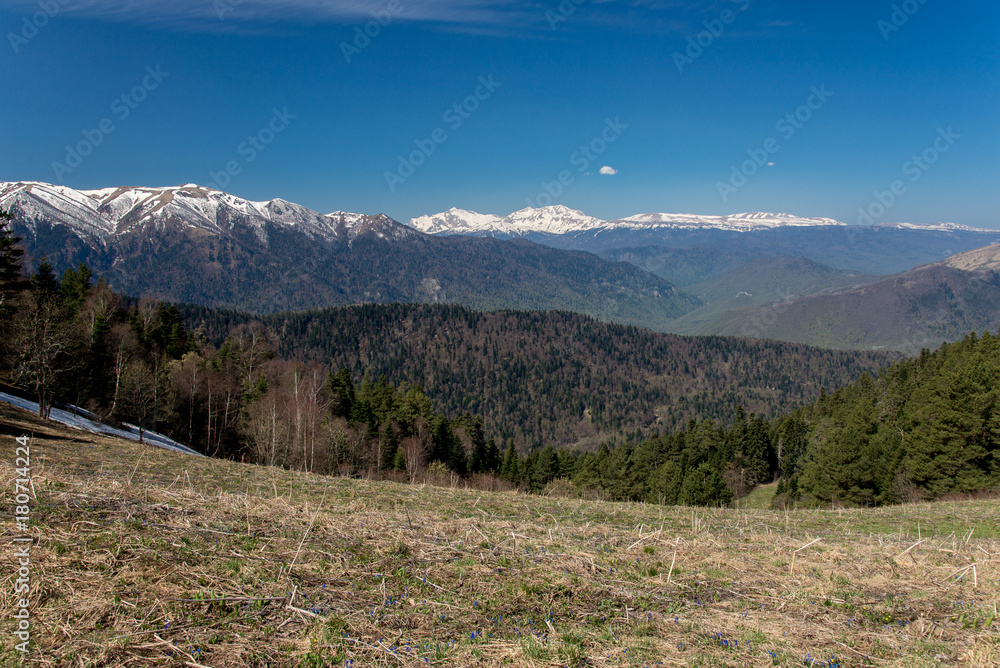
x=546, y=468
x=340, y=386
x=12, y=282
x=44, y=284
x=493, y=457
x=75, y=287
x=511, y=469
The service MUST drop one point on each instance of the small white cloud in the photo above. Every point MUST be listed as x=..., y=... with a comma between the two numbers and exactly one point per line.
x=608, y=171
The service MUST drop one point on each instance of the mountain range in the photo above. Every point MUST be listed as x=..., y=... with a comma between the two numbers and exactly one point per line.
x=194, y=244
x=769, y=275
x=559, y=219
x=687, y=249
x=910, y=311
x=894, y=286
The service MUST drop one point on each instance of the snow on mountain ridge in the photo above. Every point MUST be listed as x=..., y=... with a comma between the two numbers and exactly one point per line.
x=105, y=212
x=556, y=219
x=740, y=222
x=934, y=227
x=560, y=219
x=456, y=221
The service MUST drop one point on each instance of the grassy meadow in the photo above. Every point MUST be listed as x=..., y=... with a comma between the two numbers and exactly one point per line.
x=142, y=557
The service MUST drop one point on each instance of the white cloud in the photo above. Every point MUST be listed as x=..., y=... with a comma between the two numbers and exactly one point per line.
x=608, y=171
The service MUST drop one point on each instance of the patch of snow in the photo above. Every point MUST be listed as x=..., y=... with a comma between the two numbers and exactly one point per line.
x=85, y=421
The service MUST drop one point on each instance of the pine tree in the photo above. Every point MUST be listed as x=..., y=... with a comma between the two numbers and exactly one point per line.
x=12, y=281
x=493, y=457
x=341, y=389
x=75, y=287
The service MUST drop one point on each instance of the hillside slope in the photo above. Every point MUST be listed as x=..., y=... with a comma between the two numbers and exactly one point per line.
x=762, y=283
x=162, y=559
x=921, y=308
x=556, y=378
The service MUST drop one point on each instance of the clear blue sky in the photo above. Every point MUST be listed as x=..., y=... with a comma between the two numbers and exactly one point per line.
x=689, y=121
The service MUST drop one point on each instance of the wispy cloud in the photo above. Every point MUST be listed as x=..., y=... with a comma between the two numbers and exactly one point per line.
x=658, y=16
x=206, y=14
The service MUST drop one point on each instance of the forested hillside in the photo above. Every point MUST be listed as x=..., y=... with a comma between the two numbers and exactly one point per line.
x=553, y=377
x=925, y=428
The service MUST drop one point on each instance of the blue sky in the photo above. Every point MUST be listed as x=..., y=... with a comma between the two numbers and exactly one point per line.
x=688, y=102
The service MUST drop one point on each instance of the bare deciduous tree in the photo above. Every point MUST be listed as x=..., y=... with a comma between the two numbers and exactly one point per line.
x=139, y=395
x=416, y=448
x=47, y=349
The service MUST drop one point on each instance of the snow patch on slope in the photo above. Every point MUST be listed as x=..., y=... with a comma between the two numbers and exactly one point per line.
x=83, y=421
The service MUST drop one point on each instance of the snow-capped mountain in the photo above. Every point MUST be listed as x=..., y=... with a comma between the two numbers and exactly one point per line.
x=460, y=221
x=99, y=215
x=202, y=246
x=549, y=220
x=563, y=220
x=556, y=220
x=740, y=222
x=934, y=227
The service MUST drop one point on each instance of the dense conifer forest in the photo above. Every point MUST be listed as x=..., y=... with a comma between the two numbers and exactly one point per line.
x=925, y=428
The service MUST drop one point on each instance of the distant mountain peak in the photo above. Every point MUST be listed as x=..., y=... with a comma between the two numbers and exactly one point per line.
x=934, y=227
x=737, y=222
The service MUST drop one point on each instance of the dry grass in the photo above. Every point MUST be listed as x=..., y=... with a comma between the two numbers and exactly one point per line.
x=146, y=558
